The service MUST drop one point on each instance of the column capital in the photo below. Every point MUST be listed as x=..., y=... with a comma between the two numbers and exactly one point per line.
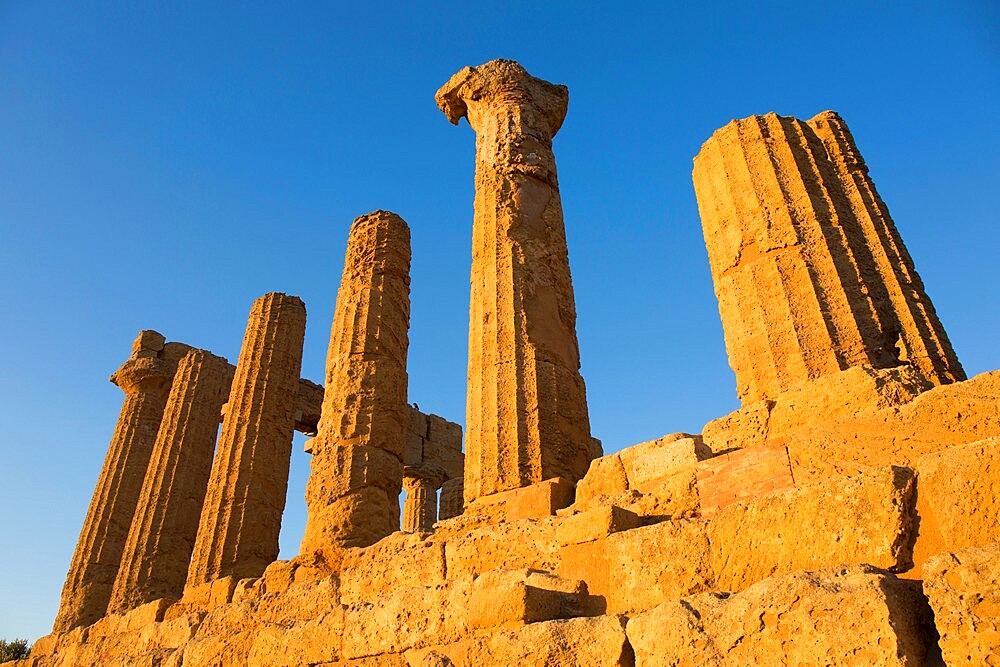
x=503, y=83
x=425, y=474
x=144, y=374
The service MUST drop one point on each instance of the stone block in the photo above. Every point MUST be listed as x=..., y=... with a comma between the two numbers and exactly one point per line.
x=521, y=544
x=530, y=502
x=605, y=477
x=312, y=641
x=299, y=602
x=402, y=560
x=740, y=474
x=412, y=618
x=863, y=519
x=594, y=642
x=647, y=464
x=508, y=598
x=638, y=569
x=958, y=498
x=964, y=590
x=855, y=615
x=595, y=524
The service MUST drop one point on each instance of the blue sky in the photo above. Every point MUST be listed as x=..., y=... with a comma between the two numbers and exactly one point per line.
x=163, y=166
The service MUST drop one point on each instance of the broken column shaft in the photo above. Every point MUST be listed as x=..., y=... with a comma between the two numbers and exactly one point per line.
x=158, y=548
x=801, y=271
x=356, y=468
x=145, y=378
x=526, y=410
x=241, y=518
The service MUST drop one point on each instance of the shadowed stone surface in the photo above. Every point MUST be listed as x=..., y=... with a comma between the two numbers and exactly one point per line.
x=526, y=409
x=811, y=275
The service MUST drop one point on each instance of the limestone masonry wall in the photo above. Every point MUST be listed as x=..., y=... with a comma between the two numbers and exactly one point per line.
x=847, y=514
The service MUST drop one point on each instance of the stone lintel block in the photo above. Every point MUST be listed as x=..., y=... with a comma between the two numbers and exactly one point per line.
x=508, y=598
x=595, y=524
x=529, y=502
x=867, y=518
x=964, y=590
x=443, y=434
x=595, y=642
x=851, y=615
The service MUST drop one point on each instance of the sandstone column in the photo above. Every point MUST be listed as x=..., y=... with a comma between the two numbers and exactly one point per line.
x=241, y=518
x=802, y=291
x=420, y=509
x=452, y=499
x=922, y=341
x=356, y=469
x=526, y=410
x=145, y=378
x=159, y=544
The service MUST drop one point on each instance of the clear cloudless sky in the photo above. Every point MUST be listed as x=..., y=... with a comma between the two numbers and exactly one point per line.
x=164, y=164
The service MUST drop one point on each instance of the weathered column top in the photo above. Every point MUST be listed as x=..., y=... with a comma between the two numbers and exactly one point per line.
x=425, y=473
x=500, y=83
x=151, y=360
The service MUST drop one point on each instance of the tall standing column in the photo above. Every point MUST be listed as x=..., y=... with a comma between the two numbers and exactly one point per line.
x=145, y=378
x=922, y=341
x=526, y=410
x=356, y=469
x=241, y=518
x=420, y=509
x=802, y=287
x=160, y=541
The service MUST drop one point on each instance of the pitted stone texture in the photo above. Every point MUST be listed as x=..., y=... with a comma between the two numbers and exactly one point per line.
x=856, y=615
x=394, y=563
x=526, y=410
x=958, y=498
x=364, y=406
x=922, y=339
x=810, y=279
x=655, y=479
x=145, y=378
x=239, y=526
x=868, y=518
x=594, y=642
x=161, y=539
x=964, y=591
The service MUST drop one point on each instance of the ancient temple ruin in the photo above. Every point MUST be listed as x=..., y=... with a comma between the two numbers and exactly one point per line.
x=846, y=514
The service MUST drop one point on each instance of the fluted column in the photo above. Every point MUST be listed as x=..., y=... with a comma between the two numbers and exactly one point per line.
x=356, y=468
x=452, y=502
x=526, y=410
x=161, y=539
x=420, y=508
x=241, y=518
x=145, y=378
x=800, y=290
x=922, y=340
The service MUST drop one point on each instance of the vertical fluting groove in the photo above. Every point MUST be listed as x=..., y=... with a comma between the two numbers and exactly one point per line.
x=241, y=517
x=784, y=199
x=160, y=541
x=145, y=378
x=356, y=469
x=526, y=411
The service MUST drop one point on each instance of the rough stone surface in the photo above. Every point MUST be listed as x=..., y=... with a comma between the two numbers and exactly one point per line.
x=239, y=526
x=855, y=615
x=743, y=473
x=595, y=642
x=159, y=545
x=958, y=498
x=811, y=277
x=365, y=401
x=964, y=590
x=420, y=509
x=452, y=501
x=868, y=518
x=145, y=378
x=526, y=410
